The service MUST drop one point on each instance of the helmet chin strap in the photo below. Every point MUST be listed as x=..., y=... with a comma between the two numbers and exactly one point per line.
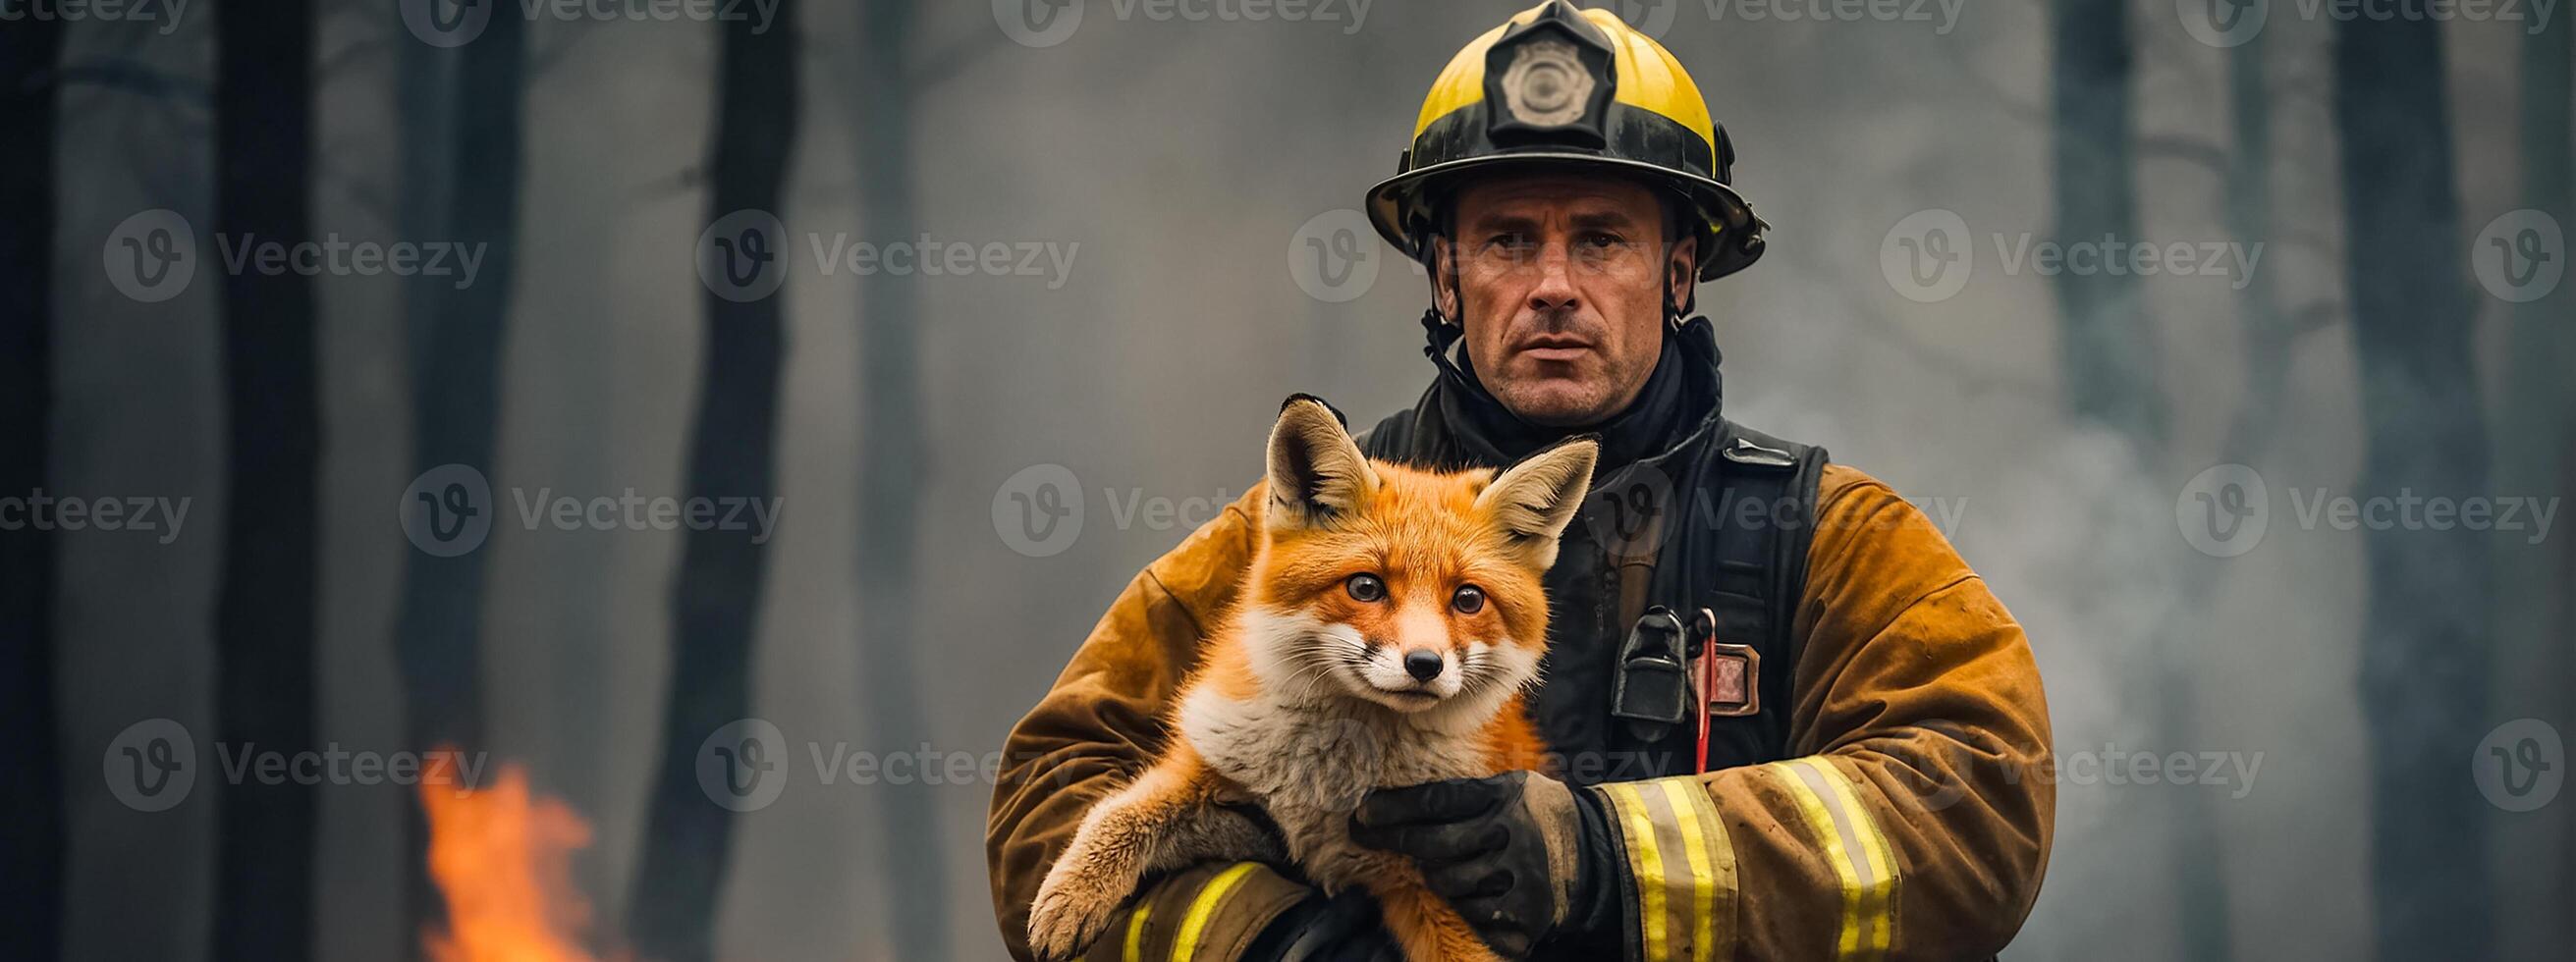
x=1675, y=312
x=1440, y=331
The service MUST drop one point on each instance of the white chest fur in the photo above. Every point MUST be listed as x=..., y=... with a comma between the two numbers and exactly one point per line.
x=1309, y=765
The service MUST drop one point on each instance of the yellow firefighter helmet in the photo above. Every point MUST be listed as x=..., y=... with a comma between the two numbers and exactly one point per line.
x=1557, y=85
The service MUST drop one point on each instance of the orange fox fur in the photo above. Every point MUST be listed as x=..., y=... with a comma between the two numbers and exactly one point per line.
x=1303, y=701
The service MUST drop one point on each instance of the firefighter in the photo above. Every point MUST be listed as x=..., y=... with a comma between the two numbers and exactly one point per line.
x=1796, y=724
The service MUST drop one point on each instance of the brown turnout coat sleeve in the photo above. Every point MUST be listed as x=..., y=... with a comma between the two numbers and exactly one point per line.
x=1913, y=822
x=1102, y=722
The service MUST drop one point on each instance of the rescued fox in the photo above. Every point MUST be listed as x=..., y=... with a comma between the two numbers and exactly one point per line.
x=1383, y=637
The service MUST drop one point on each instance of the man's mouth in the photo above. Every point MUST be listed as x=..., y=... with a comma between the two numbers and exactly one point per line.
x=1560, y=349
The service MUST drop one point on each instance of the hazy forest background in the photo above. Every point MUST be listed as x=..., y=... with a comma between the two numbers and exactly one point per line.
x=1165, y=189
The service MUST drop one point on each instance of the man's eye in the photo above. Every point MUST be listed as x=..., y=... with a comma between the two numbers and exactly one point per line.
x=1365, y=588
x=1602, y=240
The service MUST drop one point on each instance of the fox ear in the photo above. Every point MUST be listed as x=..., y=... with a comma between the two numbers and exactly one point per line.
x=1530, y=504
x=1316, y=472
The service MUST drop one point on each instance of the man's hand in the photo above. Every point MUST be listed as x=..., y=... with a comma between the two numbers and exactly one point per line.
x=1509, y=852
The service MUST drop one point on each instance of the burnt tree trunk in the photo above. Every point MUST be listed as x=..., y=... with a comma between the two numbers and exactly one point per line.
x=2104, y=344
x=2107, y=359
x=461, y=117
x=264, y=619
x=716, y=595
x=891, y=446
x=31, y=798
x=2425, y=636
x=2536, y=454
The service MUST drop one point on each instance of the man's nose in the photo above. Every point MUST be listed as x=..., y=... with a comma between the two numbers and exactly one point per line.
x=1422, y=663
x=1555, y=288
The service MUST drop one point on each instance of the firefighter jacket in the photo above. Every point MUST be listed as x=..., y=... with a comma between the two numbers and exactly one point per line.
x=1892, y=798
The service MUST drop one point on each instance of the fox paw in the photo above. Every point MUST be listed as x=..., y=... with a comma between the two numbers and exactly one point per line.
x=1067, y=916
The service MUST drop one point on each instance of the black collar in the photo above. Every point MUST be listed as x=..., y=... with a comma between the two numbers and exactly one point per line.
x=1681, y=398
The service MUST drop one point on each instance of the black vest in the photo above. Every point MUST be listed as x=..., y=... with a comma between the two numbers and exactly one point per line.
x=1712, y=516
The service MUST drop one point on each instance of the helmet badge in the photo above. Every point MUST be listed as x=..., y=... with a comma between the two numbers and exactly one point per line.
x=1546, y=85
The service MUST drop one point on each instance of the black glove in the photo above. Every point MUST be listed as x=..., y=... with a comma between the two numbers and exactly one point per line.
x=1346, y=928
x=1514, y=854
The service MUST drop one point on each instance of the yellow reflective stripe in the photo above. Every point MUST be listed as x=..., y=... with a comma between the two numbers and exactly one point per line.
x=1880, y=935
x=1136, y=931
x=1687, y=800
x=1831, y=840
x=1647, y=865
x=1204, y=907
x=1851, y=845
x=1681, y=866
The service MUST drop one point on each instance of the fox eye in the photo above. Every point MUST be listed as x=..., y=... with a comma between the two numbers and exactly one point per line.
x=1365, y=588
x=1469, y=599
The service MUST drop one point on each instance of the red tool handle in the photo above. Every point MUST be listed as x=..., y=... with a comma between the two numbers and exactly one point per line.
x=1706, y=627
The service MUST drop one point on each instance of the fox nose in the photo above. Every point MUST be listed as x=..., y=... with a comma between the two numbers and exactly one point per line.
x=1422, y=663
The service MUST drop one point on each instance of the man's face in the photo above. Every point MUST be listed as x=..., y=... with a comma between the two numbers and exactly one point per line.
x=1565, y=279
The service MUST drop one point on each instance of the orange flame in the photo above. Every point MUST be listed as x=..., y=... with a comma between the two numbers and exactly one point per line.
x=502, y=857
